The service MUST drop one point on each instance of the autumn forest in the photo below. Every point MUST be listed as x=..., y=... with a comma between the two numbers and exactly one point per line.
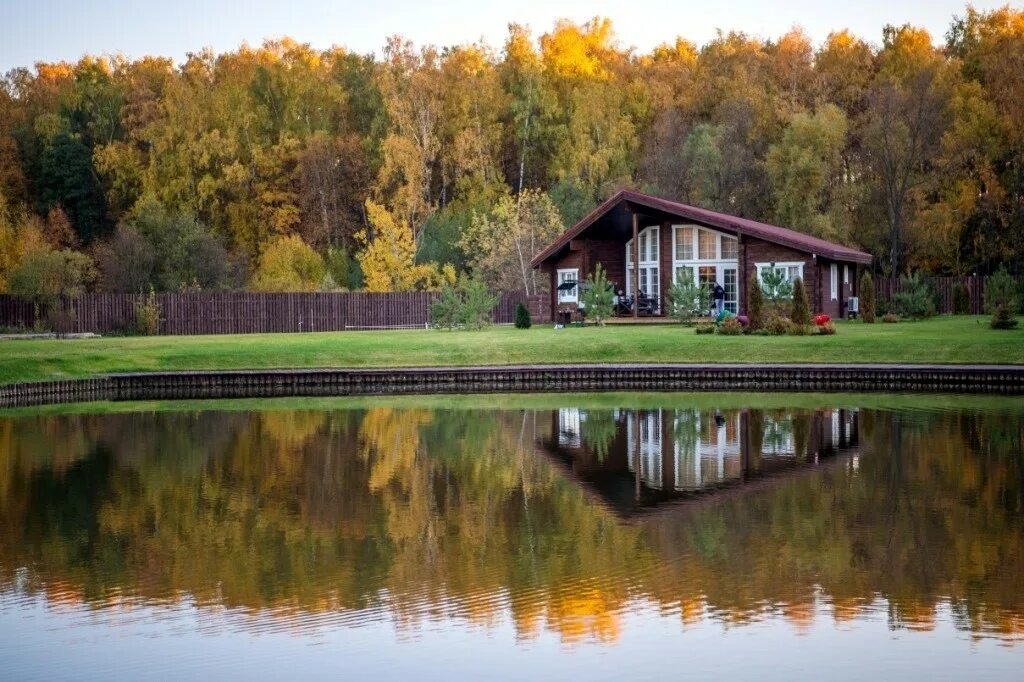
x=286, y=168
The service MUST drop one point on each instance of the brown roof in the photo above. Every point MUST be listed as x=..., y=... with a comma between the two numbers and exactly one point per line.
x=724, y=221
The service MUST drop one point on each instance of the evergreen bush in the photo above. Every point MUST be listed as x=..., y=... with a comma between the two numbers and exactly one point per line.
x=523, y=320
x=867, y=298
x=755, y=305
x=801, y=313
x=915, y=298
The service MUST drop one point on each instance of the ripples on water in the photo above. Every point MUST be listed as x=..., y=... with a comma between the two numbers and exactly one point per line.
x=603, y=535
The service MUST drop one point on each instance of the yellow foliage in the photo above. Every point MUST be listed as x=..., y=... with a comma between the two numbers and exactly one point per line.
x=289, y=264
x=388, y=257
x=575, y=51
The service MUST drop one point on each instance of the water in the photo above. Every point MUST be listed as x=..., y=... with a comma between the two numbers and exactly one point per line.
x=607, y=536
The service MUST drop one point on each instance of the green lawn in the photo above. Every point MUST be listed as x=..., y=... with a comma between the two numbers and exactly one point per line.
x=939, y=340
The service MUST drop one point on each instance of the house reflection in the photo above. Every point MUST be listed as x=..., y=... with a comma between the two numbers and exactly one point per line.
x=637, y=461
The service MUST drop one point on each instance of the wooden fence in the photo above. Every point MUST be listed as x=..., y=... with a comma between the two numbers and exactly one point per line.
x=249, y=313
x=886, y=287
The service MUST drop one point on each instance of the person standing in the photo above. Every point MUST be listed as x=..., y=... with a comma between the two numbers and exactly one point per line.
x=718, y=293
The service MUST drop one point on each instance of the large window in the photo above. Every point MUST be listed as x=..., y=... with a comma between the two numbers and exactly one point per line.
x=730, y=248
x=707, y=256
x=684, y=243
x=650, y=270
x=708, y=245
x=790, y=271
x=568, y=295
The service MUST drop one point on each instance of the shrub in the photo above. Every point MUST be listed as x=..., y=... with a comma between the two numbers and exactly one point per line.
x=730, y=327
x=915, y=298
x=147, y=315
x=755, y=305
x=288, y=264
x=1003, y=318
x=827, y=329
x=705, y=328
x=867, y=298
x=794, y=329
x=801, y=313
x=446, y=310
x=477, y=303
x=777, y=325
x=744, y=320
x=1000, y=291
x=687, y=299
x=776, y=286
x=523, y=320
x=821, y=319
x=890, y=318
x=598, y=296
x=961, y=300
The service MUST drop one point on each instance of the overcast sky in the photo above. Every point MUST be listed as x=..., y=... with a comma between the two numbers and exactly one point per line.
x=51, y=30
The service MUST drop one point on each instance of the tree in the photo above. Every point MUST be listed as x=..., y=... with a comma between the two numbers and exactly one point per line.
x=500, y=244
x=903, y=126
x=523, y=320
x=477, y=303
x=775, y=285
x=1000, y=291
x=801, y=311
x=387, y=259
x=755, y=305
x=914, y=299
x=125, y=261
x=598, y=296
x=446, y=309
x=802, y=167
x=867, y=297
x=688, y=298
x=289, y=264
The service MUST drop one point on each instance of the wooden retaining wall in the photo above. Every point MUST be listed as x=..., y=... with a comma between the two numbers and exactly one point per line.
x=249, y=312
x=1007, y=379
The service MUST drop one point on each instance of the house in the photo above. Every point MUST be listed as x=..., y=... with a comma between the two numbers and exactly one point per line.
x=645, y=243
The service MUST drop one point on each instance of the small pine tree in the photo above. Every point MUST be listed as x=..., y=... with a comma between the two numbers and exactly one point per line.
x=867, y=298
x=801, y=314
x=915, y=298
x=1003, y=318
x=687, y=298
x=446, y=311
x=598, y=297
x=477, y=303
x=523, y=320
x=1000, y=290
x=755, y=306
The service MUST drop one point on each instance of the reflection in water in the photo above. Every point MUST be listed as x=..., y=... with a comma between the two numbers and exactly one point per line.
x=638, y=460
x=569, y=521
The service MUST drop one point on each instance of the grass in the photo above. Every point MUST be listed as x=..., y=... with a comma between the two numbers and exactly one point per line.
x=947, y=339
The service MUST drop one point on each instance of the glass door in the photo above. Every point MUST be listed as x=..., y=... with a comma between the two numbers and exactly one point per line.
x=730, y=282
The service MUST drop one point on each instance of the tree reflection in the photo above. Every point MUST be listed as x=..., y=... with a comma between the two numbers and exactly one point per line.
x=560, y=519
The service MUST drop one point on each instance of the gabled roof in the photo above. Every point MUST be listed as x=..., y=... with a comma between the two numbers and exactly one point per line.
x=745, y=226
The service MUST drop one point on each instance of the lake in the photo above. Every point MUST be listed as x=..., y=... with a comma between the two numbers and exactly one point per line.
x=605, y=536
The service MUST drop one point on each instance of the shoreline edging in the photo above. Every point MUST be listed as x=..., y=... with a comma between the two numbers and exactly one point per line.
x=267, y=383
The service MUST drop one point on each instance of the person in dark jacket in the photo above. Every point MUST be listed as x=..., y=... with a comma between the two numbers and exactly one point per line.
x=718, y=293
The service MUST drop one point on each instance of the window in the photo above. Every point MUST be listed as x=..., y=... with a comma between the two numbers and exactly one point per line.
x=707, y=245
x=684, y=243
x=791, y=271
x=834, y=277
x=684, y=273
x=568, y=295
x=730, y=248
x=846, y=274
x=708, y=275
x=730, y=284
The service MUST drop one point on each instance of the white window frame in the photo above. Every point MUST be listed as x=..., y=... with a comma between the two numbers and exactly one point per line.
x=833, y=271
x=695, y=263
x=784, y=266
x=846, y=274
x=650, y=264
x=572, y=296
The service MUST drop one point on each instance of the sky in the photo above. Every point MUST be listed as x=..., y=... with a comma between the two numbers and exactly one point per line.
x=53, y=30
